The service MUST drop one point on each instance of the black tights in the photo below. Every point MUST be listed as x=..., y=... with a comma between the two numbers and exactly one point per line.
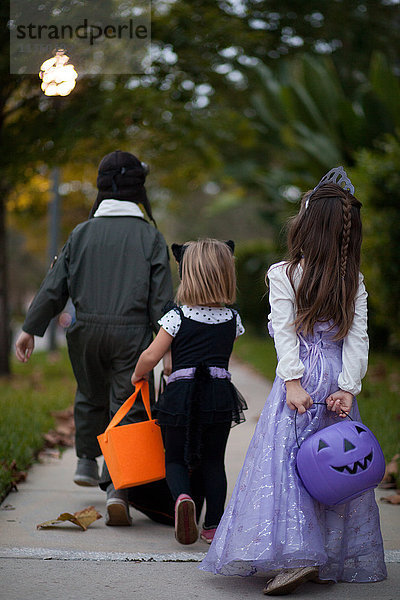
x=209, y=478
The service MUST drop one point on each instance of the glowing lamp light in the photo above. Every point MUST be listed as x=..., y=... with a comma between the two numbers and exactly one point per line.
x=58, y=77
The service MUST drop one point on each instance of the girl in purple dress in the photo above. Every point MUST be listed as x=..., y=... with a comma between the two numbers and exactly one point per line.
x=319, y=323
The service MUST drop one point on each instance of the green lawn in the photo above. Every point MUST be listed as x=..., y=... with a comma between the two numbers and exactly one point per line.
x=378, y=401
x=27, y=399
x=257, y=351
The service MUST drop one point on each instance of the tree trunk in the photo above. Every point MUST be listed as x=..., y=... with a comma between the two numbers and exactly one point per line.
x=4, y=313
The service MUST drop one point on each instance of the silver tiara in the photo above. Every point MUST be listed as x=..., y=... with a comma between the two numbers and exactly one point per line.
x=337, y=175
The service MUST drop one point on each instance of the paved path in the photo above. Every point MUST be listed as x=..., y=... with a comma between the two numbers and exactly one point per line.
x=143, y=561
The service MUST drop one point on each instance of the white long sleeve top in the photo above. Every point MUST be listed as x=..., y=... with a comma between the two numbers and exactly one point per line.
x=287, y=344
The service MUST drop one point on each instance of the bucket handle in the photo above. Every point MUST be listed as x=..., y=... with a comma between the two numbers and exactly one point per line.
x=322, y=403
x=142, y=386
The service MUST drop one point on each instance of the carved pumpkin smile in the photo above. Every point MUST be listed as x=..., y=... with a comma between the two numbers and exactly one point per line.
x=358, y=465
x=340, y=462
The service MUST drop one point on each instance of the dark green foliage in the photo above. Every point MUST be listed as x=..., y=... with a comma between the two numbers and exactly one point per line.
x=306, y=113
x=325, y=86
x=252, y=262
x=377, y=177
x=258, y=351
x=378, y=401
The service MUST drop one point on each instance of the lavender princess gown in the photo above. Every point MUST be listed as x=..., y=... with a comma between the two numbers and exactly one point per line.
x=271, y=521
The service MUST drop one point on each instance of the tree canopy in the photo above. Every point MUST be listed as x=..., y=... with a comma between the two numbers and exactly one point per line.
x=256, y=97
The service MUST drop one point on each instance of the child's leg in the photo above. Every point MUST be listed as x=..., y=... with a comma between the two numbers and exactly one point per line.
x=214, y=441
x=197, y=487
x=177, y=473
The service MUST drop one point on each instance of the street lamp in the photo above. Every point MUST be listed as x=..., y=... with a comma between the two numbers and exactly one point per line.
x=58, y=79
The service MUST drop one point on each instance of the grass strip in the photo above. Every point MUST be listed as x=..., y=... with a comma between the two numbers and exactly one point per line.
x=28, y=397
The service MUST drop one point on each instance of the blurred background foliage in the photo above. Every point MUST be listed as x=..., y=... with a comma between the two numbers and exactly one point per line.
x=247, y=104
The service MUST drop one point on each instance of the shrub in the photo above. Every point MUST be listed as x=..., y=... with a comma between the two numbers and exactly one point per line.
x=252, y=261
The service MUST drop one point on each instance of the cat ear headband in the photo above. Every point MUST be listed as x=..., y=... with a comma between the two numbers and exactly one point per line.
x=337, y=175
x=178, y=250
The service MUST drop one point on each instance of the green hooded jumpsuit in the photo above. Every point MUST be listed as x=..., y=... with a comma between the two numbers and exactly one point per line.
x=116, y=271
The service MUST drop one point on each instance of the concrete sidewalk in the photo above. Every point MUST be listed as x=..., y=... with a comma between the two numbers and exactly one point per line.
x=143, y=561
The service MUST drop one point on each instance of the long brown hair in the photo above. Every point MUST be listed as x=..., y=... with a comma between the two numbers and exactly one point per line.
x=325, y=237
x=208, y=274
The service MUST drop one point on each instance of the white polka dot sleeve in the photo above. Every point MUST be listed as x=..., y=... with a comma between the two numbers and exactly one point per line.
x=171, y=322
x=239, y=326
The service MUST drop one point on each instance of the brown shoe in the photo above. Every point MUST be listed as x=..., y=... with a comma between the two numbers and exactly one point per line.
x=289, y=580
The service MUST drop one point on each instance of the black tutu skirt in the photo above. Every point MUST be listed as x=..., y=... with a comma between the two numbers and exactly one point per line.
x=196, y=403
x=203, y=398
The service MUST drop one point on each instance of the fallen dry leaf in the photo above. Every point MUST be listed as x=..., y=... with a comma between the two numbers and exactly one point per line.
x=16, y=475
x=393, y=499
x=392, y=467
x=48, y=454
x=87, y=516
x=64, y=415
x=64, y=432
x=59, y=437
x=387, y=485
x=81, y=518
x=391, y=472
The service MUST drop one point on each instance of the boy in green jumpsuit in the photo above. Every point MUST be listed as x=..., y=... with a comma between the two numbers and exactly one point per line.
x=115, y=268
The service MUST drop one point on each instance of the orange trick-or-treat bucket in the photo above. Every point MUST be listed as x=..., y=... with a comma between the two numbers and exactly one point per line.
x=134, y=453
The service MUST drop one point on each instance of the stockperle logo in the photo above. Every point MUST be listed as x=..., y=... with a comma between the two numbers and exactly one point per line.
x=102, y=36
